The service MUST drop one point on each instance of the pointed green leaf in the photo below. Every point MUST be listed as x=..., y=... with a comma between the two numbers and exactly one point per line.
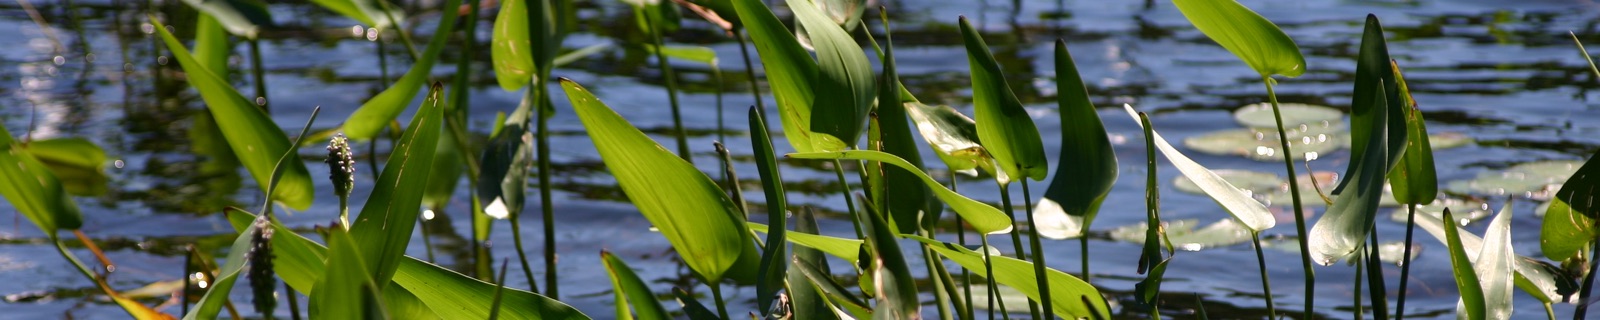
x=1071, y=297
x=848, y=249
x=509, y=47
x=1246, y=34
x=836, y=295
x=1472, y=298
x=896, y=292
x=1539, y=279
x=693, y=308
x=806, y=299
x=910, y=199
x=34, y=191
x=688, y=207
x=386, y=222
x=376, y=114
x=1086, y=168
x=632, y=294
x=1005, y=129
x=984, y=218
x=772, y=259
x=255, y=139
x=788, y=67
x=1569, y=223
x=243, y=18
x=211, y=47
x=346, y=291
x=1250, y=212
x=1494, y=266
x=1344, y=226
x=843, y=88
x=217, y=294
x=1413, y=180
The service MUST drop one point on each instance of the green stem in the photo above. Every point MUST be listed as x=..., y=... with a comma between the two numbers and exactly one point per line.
x=672, y=89
x=427, y=244
x=1016, y=240
x=1376, y=287
x=993, y=290
x=294, y=302
x=260, y=75
x=1294, y=195
x=1357, y=292
x=1038, y=255
x=849, y=198
x=1266, y=283
x=1405, y=262
x=405, y=37
x=966, y=275
x=383, y=65
x=749, y=69
x=1083, y=245
x=716, y=293
x=937, y=276
x=1588, y=283
x=522, y=257
x=548, y=212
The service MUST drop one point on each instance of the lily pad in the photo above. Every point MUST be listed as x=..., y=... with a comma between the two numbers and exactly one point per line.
x=1257, y=183
x=1447, y=140
x=1464, y=210
x=1262, y=144
x=1533, y=180
x=1294, y=115
x=1184, y=235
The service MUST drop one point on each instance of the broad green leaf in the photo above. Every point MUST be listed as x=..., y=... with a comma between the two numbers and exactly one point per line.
x=1086, y=167
x=686, y=205
x=298, y=261
x=1004, y=127
x=1413, y=180
x=789, y=69
x=1246, y=34
x=1494, y=267
x=1569, y=223
x=384, y=227
x=843, y=88
x=984, y=218
x=953, y=136
x=255, y=139
x=1472, y=298
x=217, y=294
x=1071, y=297
x=445, y=172
x=368, y=12
x=1344, y=226
x=632, y=294
x=847, y=249
x=346, y=290
x=211, y=45
x=244, y=18
x=76, y=162
x=1250, y=212
x=376, y=114
x=807, y=300
x=1539, y=279
x=772, y=258
x=896, y=292
x=911, y=200
x=509, y=46
x=699, y=54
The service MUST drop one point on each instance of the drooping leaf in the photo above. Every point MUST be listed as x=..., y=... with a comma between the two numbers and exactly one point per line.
x=77, y=163
x=848, y=249
x=1005, y=129
x=843, y=88
x=789, y=70
x=256, y=140
x=244, y=18
x=953, y=136
x=1246, y=34
x=632, y=295
x=377, y=113
x=688, y=207
x=1071, y=297
x=1472, y=299
x=346, y=291
x=1237, y=202
x=386, y=222
x=1086, y=167
x=984, y=218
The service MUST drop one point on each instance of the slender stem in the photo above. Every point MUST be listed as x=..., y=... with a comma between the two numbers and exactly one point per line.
x=427, y=244
x=516, y=240
x=1016, y=241
x=749, y=69
x=1588, y=283
x=988, y=275
x=1266, y=283
x=1083, y=245
x=936, y=276
x=383, y=65
x=344, y=209
x=260, y=74
x=1294, y=195
x=294, y=302
x=1378, y=290
x=405, y=37
x=1038, y=255
x=1357, y=292
x=672, y=89
x=1405, y=262
x=545, y=207
x=1548, y=312
x=183, y=294
x=966, y=275
x=716, y=293
x=849, y=199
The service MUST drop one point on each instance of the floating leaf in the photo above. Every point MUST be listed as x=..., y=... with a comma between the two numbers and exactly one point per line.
x=1237, y=202
x=1184, y=234
x=377, y=113
x=688, y=207
x=1006, y=129
x=1263, y=145
x=1246, y=34
x=1534, y=180
x=632, y=295
x=1071, y=297
x=1465, y=210
x=1086, y=167
x=1299, y=116
x=984, y=218
x=789, y=70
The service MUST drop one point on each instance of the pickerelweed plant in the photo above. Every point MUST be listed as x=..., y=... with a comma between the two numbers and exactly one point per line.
x=834, y=107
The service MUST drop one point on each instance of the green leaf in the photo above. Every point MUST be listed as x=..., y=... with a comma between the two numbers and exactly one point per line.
x=896, y=292
x=686, y=205
x=1005, y=129
x=693, y=308
x=298, y=261
x=1070, y=296
x=1494, y=266
x=1569, y=224
x=772, y=258
x=807, y=300
x=848, y=249
x=505, y=164
x=653, y=15
x=1086, y=167
x=1413, y=180
x=1539, y=279
x=1250, y=212
x=509, y=46
x=384, y=227
x=211, y=45
x=255, y=139
x=631, y=291
x=243, y=18
x=984, y=218
x=953, y=136
x=836, y=295
x=701, y=54
x=843, y=88
x=1246, y=34
x=788, y=67
x=368, y=12
x=1472, y=297
x=376, y=114
x=910, y=199
x=217, y=294
x=346, y=291
x=76, y=162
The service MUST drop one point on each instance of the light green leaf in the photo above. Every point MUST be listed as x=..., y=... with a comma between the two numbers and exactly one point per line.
x=1071, y=297
x=384, y=227
x=1494, y=266
x=346, y=291
x=701, y=54
x=1539, y=279
x=848, y=249
x=688, y=207
x=836, y=295
x=1238, y=202
x=1472, y=299
x=895, y=290
x=376, y=114
x=983, y=217
x=953, y=136
x=76, y=162
x=1004, y=128
x=1246, y=34
x=243, y=18
x=631, y=291
x=255, y=139
x=1086, y=168
x=509, y=46
x=843, y=88
x=211, y=45
x=788, y=67
x=368, y=12
x=1569, y=223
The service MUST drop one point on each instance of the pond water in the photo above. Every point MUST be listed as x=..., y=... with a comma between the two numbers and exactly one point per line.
x=1504, y=74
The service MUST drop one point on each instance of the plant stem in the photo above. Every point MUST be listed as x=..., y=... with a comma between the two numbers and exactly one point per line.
x=988, y=275
x=294, y=302
x=966, y=275
x=545, y=207
x=1083, y=245
x=672, y=89
x=849, y=200
x=1588, y=283
x=383, y=65
x=1405, y=262
x=1038, y=255
x=1266, y=283
x=1380, y=301
x=716, y=293
x=1357, y=292
x=1016, y=240
x=1294, y=195
x=941, y=297
x=260, y=74
x=749, y=69
x=405, y=37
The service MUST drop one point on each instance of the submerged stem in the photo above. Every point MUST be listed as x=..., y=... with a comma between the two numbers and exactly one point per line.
x=1294, y=195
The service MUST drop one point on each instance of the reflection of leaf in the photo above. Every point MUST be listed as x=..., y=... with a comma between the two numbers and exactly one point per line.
x=1531, y=180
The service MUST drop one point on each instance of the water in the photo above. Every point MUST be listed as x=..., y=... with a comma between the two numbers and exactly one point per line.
x=1502, y=73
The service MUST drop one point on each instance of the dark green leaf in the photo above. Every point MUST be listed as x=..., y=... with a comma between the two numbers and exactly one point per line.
x=1087, y=167
x=1005, y=129
x=843, y=88
x=984, y=218
x=1472, y=298
x=631, y=292
x=772, y=258
x=1246, y=34
x=346, y=290
x=788, y=67
x=896, y=292
x=217, y=294
x=692, y=307
x=386, y=222
x=1413, y=180
x=911, y=199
